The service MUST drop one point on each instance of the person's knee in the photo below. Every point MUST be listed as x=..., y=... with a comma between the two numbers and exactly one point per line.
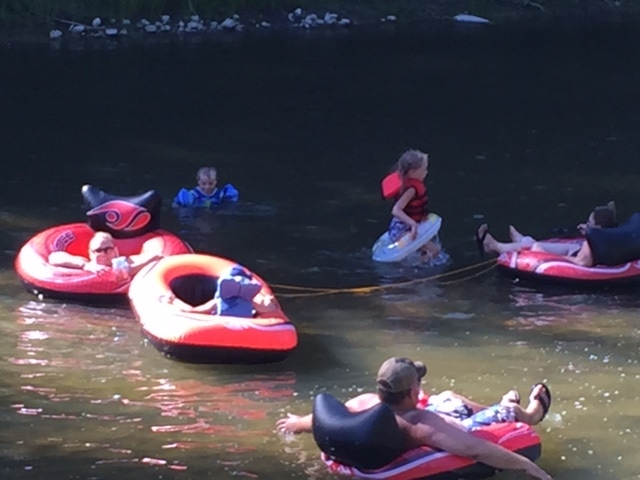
x=527, y=242
x=537, y=247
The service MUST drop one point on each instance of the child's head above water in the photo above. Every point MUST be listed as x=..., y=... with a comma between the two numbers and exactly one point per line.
x=411, y=162
x=207, y=179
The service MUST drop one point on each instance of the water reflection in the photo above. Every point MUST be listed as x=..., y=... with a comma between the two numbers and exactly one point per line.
x=207, y=220
x=73, y=364
x=567, y=311
x=214, y=229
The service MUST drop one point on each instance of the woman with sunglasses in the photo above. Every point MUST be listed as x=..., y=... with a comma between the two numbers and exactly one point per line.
x=103, y=257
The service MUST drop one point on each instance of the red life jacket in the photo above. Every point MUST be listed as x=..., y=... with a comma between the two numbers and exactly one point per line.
x=416, y=209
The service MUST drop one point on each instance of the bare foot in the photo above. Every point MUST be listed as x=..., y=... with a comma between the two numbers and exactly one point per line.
x=486, y=242
x=490, y=244
x=510, y=398
x=515, y=235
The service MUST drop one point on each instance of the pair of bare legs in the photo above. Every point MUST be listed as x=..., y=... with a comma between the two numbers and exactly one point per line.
x=522, y=242
x=490, y=244
x=532, y=414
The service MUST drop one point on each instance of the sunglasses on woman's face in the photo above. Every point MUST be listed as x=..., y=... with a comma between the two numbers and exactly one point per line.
x=106, y=249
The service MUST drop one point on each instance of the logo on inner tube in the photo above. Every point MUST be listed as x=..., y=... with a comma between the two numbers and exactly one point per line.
x=62, y=241
x=121, y=215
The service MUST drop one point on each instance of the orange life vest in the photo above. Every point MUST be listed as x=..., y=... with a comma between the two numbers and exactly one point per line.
x=417, y=208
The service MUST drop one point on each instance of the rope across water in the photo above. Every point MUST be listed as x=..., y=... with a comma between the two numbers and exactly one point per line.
x=368, y=289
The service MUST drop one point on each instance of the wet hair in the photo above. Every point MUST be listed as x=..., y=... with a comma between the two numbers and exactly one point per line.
x=605, y=216
x=410, y=160
x=392, y=398
x=209, y=172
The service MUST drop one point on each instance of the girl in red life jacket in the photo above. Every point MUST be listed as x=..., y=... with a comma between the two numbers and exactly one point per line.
x=412, y=200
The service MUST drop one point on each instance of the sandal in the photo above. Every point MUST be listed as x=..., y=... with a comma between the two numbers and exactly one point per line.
x=544, y=398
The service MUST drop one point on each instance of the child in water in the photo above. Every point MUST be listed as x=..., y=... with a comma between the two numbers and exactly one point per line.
x=411, y=205
x=205, y=194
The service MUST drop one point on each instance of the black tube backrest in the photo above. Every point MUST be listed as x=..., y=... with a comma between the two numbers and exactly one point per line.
x=122, y=217
x=367, y=440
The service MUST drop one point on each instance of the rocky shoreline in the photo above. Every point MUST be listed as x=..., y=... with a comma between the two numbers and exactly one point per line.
x=344, y=16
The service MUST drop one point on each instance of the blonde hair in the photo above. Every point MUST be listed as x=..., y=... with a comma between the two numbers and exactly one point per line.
x=100, y=236
x=209, y=172
x=410, y=160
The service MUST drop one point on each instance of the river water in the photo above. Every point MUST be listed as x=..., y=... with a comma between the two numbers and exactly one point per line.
x=526, y=126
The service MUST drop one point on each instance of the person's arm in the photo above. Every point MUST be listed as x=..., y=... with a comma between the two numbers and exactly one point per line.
x=64, y=259
x=398, y=210
x=137, y=262
x=430, y=429
x=582, y=228
x=303, y=424
x=295, y=423
x=207, y=307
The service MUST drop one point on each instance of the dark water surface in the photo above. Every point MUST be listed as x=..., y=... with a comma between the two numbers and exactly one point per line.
x=531, y=128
